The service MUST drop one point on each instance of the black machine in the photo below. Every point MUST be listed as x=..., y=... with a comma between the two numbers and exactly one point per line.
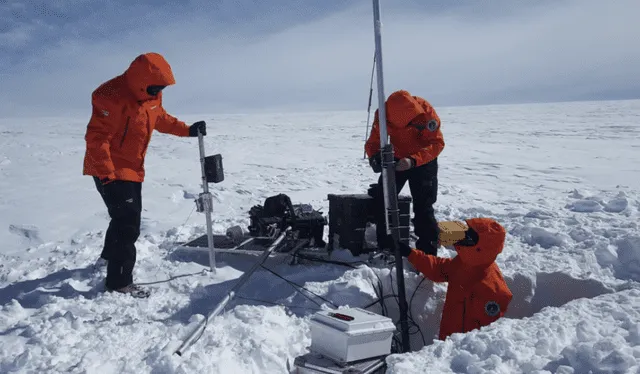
x=278, y=212
x=349, y=215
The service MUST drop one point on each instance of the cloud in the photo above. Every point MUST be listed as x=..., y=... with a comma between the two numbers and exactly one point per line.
x=283, y=55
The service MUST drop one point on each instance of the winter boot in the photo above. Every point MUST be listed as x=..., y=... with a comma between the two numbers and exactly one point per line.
x=134, y=290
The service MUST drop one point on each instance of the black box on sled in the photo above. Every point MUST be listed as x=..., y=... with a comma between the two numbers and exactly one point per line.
x=349, y=215
x=314, y=363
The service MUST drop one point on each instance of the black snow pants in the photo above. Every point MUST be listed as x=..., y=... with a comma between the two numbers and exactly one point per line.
x=124, y=203
x=423, y=184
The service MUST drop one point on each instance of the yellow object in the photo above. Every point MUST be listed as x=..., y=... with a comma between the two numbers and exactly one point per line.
x=451, y=232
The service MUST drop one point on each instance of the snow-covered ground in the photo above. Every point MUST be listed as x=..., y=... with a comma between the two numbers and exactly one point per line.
x=562, y=178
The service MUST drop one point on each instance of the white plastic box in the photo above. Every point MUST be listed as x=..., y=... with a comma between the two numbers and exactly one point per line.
x=364, y=336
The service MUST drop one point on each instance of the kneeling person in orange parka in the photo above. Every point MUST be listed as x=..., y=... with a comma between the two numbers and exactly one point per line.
x=477, y=294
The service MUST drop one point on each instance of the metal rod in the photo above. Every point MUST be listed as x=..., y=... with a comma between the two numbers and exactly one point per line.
x=202, y=325
x=366, y=133
x=389, y=182
x=208, y=204
x=247, y=241
x=252, y=252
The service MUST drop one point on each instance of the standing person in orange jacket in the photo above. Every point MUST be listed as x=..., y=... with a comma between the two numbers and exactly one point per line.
x=414, y=129
x=126, y=110
x=477, y=294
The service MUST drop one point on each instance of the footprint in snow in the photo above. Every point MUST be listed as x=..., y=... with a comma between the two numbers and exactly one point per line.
x=26, y=231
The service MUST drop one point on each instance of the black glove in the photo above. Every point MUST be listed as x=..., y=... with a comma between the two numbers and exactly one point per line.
x=200, y=125
x=375, y=162
x=405, y=250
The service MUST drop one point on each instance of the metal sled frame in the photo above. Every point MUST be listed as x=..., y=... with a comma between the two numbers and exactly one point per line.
x=254, y=246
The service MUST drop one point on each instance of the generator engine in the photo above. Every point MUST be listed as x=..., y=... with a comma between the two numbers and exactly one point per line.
x=278, y=213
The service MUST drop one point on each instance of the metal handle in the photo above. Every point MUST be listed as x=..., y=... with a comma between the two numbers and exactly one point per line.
x=208, y=202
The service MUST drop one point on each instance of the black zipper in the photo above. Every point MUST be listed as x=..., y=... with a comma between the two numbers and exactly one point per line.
x=126, y=128
x=148, y=139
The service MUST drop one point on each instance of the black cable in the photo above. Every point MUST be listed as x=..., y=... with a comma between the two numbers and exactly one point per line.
x=409, y=316
x=416, y=290
x=334, y=262
x=410, y=308
x=376, y=301
x=297, y=285
x=378, y=291
x=274, y=303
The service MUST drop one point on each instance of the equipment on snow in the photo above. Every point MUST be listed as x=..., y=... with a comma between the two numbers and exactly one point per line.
x=388, y=177
x=278, y=212
x=213, y=169
x=350, y=214
x=315, y=363
x=350, y=335
x=451, y=232
x=351, y=340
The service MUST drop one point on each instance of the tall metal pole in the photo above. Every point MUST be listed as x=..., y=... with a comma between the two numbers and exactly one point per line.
x=188, y=342
x=366, y=133
x=389, y=181
x=208, y=204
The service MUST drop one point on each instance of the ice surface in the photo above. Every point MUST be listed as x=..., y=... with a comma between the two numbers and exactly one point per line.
x=562, y=178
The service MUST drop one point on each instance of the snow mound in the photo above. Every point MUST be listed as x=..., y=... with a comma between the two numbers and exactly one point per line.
x=240, y=345
x=594, y=203
x=597, y=335
x=585, y=206
x=617, y=205
x=628, y=264
x=539, y=236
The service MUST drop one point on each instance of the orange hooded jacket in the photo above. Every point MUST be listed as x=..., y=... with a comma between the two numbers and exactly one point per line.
x=123, y=118
x=477, y=294
x=405, y=115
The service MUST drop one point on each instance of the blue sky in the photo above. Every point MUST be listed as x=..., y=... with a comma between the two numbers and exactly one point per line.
x=287, y=55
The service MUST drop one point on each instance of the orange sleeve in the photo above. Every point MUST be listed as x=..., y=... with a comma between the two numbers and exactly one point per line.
x=435, y=268
x=169, y=124
x=100, y=130
x=434, y=144
x=372, y=145
x=431, y=150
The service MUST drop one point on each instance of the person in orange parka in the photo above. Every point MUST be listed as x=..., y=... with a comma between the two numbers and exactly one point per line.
x=125, y=111
x=477, y=294
x=414, y=130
